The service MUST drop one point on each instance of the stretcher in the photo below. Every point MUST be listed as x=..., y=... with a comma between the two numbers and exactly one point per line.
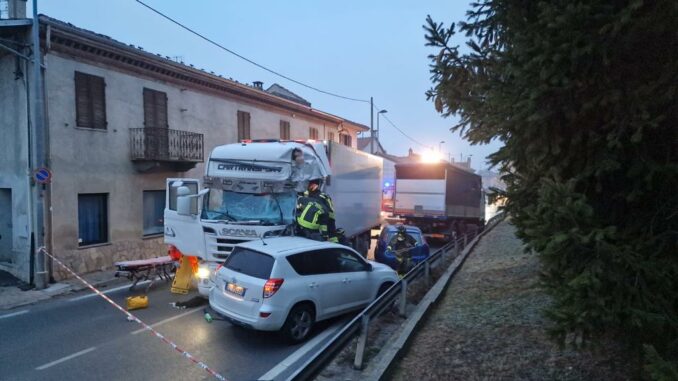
x=150, y=269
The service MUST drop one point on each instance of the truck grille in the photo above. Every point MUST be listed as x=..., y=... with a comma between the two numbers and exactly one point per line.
x=221, y=247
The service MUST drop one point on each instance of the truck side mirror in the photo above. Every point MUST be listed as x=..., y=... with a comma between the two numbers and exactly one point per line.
x=184, y=201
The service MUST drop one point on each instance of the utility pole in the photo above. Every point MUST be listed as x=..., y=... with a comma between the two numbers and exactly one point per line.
x=38, y=153
x=371, y=125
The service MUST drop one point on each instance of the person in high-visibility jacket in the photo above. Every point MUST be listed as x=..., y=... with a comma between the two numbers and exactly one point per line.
x=315, y=214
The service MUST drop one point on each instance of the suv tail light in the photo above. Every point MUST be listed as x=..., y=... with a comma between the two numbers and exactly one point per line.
x=272, y=286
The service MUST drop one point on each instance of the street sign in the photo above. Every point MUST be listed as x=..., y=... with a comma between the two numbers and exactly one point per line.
x=42, y=175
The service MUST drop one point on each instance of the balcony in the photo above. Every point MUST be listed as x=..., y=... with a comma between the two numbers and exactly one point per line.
x=162, y=149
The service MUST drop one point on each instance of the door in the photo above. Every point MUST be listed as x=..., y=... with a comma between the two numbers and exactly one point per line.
x=5, y=224
x=355, y=276
x=184, y=231
x=156, y=132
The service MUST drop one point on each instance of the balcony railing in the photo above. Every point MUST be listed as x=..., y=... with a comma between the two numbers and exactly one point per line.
x=165, y=145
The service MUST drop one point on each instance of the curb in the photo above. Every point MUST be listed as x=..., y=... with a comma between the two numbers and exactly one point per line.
x=381, y=364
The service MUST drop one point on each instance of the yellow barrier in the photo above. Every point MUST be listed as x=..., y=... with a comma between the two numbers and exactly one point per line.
x=183, y=278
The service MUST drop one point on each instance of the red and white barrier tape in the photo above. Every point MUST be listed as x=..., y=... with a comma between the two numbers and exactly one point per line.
x=134, y=318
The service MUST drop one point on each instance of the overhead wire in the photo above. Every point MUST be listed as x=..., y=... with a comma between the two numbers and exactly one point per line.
x=190, y=30
x=249, y=60
x=398, y=129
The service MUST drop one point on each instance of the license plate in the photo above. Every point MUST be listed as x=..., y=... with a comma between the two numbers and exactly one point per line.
x=235, y=289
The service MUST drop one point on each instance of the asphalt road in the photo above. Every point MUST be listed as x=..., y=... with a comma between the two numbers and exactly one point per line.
x=80, y=337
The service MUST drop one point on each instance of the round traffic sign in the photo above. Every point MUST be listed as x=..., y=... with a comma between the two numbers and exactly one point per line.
x=42, y=175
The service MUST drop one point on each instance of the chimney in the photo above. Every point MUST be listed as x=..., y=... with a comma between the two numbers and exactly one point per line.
x=12, y=9
x=258, y=85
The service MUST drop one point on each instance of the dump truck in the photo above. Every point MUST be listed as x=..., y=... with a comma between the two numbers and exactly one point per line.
x=442, y=199
x=250, y=191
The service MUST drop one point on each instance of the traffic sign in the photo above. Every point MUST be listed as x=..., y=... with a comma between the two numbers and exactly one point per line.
x=42, y=175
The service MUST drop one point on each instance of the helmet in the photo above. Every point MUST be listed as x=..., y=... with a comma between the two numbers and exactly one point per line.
x=401, y=233
x=314, y=184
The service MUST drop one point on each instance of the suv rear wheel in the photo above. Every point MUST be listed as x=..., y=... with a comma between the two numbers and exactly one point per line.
x=299, y=323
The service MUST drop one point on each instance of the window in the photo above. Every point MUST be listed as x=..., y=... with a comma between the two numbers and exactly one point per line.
x=249, y=262
x=349, y=261
x=243, y=125
x=154, y=208
x=92, y=218
x=330, y=136
x=346, y=140
x=313, y=133
x=90, y=101
x=284, y=130
x=326, y=262
x=155, y=109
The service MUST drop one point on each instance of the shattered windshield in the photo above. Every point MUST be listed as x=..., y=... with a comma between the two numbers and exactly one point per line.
x=268, y=208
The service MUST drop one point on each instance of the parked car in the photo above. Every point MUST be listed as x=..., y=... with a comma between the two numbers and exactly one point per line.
x=419, y=252
x=290, y=283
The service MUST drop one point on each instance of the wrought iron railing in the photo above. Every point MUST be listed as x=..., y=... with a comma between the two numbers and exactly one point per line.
x=162, y=144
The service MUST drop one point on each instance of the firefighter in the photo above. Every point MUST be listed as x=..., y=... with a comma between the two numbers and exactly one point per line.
x=312, y=218
x=401, y=244
x=313, y=192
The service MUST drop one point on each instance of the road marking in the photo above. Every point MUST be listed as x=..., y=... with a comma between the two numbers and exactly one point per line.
x=14, y=314
x=161, y=322
x=69, y=357
x=105, y=292
x=299, y=353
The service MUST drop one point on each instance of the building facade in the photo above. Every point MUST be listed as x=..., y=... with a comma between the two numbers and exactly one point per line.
x=119, y=122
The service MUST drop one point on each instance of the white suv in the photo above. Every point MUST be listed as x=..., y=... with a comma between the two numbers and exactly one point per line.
x=289, y=283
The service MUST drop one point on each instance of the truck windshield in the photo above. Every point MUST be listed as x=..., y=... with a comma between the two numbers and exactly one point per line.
x=266, y=209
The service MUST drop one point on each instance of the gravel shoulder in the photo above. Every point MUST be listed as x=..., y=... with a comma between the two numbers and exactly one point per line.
x=488, y=325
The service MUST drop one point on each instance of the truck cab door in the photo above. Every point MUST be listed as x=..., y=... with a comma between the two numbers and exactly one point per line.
x=184, y=231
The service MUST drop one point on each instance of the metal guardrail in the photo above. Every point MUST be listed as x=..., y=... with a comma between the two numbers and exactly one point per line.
x=162, y=144
x=396, y=293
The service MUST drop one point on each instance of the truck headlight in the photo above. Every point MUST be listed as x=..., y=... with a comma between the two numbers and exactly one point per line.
x=203, y=273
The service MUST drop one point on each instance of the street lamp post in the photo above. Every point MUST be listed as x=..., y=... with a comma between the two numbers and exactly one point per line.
x=379, y=113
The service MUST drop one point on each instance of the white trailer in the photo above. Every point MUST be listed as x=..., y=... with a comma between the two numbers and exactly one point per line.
x=250, y=192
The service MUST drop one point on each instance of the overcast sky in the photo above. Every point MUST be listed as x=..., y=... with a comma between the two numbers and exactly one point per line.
x=354, y=48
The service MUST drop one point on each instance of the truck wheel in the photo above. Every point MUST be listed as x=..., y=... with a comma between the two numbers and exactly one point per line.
x=299, y=323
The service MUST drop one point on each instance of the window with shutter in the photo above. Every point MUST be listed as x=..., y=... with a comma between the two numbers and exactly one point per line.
x=243, y=126
x=313, y=133
x=330, y=136
x=155, y=109
x=284, y=130
x=90, y=101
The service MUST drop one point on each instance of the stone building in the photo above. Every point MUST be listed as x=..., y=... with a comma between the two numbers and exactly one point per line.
x=119, y=122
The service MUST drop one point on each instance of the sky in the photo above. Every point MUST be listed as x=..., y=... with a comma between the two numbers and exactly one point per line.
x=359, y=49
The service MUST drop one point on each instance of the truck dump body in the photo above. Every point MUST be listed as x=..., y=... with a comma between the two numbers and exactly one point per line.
x=355, y=188
x=439, y=190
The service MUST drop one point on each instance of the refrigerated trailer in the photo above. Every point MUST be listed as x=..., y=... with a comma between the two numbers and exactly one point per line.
x=250, y=192
x=442, y=199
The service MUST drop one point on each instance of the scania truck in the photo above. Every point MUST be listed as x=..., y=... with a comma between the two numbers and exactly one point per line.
x=250, y=191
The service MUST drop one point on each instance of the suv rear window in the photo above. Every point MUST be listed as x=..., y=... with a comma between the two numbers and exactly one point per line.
x=249, y=262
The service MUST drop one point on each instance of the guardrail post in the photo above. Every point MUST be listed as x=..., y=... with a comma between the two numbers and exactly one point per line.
x=362, y=343
x=465, y=240
x=403, y=297
x=456, y=248
x=427, y=273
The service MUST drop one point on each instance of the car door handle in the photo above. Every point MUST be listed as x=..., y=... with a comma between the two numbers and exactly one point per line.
x=346, y=280
x=313, y=285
